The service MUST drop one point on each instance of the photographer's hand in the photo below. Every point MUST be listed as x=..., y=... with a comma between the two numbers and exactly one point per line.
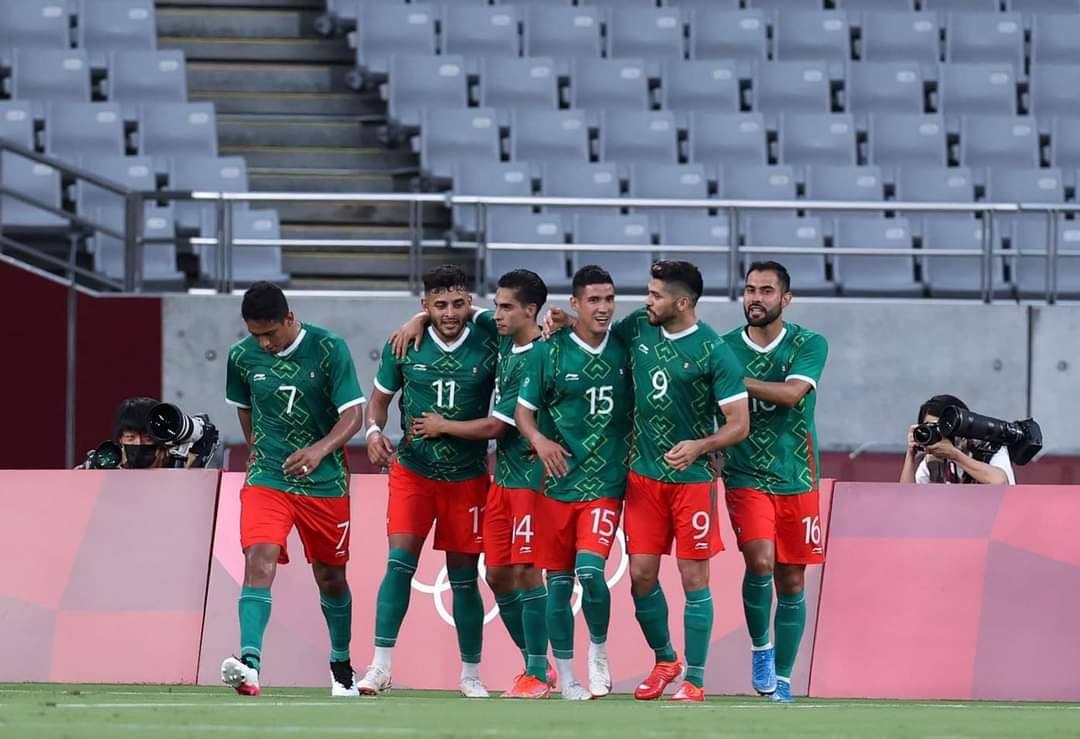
x=303, y=462
x=907, y=473
x=981, y=472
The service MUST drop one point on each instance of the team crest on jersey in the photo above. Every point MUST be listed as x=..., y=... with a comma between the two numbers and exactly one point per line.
x=783, y=368
x=643, y=349
x=312, y=375
x=686, y=365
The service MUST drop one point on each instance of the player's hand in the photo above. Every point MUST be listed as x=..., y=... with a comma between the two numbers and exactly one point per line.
x=429, y=426
x=303, y=462
x=684, y=454
x=408, y=333
x=555, y=320
x=379, y=450
x=552, y=455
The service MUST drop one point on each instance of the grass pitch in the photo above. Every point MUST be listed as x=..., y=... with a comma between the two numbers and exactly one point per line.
x=125, y=712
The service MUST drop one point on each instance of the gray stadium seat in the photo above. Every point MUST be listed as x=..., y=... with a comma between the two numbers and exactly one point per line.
x=254, y=262
x=1029, y=271
x=812, y=35
x=609, y=84
x=920, y=184
x=716, y=33
x=984, y=89
x=209, y=174
x=177, y=130
x=159, y=260
x=652, y=34
x=807, y=270
x=518, y=84
x=682, y=181
x=137, y=77
x=757, y=182
x=612, y=4
x=38, y=25
x=961, y=6
x=562, y=33
x=705, y=4
x=104, y=206
x=792, y=87
x=988, y=141
x=17, y=123
x=451, y=135
x=900, y=37
x=884, y=87
x=958, y=276
x=985, y=37
x=74, y=129
x=50, y=75
x=903, y=139
x=833, y=182
x=1065, y=142
x=481, y=31
x=549, y=135
x=817, y=138
x=1054, y=90
x=864, y=275
x=34, y=180
x=700, y=85
x=1055, y=39
x=1010, y=185
x=895, y=6
x=1044, y=6
x=537, y=3
x=488, y=178
x=773, y=6
x=728, y=138
x=695, y=229
x=629, y=268
x=386, y=29
x=580, y=180
x=649, y=136
x=527, y=228
x=419, y=82
x=116, y=25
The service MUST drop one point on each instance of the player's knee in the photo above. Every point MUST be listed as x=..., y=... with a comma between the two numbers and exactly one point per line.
x=760, y=564
x=331, y=581
x=500, y=579
x=695, y=574
x=643, y=578
x=259, y=568
x=790, y=580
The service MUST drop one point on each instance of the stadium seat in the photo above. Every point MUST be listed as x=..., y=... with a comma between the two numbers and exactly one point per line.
x=580, y=180
x=386, y=29
x=705, y=4
x=717, y=33
x=834, y=182
x=177, y=130
x=562, y=33
x=488, y=178
x=922, y=184
x=518, y=84
x=34, y=180
x=1029, y=270
x=1055, y=39
x=774, y=6
x=985, y=37
x=757, y=182
x=1028, y=185
x=653, y=34
x=700, y=85
x=209, y=174
x=884, y=87
x=549, y=135
x=983, y=89
x=792, y=87
x=33, y=25
x=1044, y=6
x=630, y=268
x=527, y=228
x=864, y=275
x=17, y=123
x=728, y=138
x=1065, y=142
x=1053, y=90
x=50, y=75
x=903, y=139
x=959, y=276
x=609, y=84
x=481, y=31
x=613, y=4
x=900, y=37
x=158, y=259
x=812, y=35
x=989, y=140
x=681, y=181
x=254, y=262
x=116, y=25
x=807, y=270
x=453, y=135
x=894, y=6
x=961, y=6
x=695, y=229
x=146, y=77
x=106, y=207
x=650, y=136
x=817, y=138
x=74, y=129
x=419, y=82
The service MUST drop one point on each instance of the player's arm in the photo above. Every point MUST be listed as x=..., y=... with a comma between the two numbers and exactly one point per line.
x=530, y=396
x=410, y=332
x=432, y=425
x=238, y=392
x=244, y=414
x=388, y=380
x=802, y=378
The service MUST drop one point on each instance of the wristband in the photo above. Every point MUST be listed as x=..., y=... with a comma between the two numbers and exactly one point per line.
x=372, y=429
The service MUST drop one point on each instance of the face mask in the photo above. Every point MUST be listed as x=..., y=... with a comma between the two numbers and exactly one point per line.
x=140, y=456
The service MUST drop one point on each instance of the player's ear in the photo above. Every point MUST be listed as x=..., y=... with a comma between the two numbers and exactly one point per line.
x=786, y=299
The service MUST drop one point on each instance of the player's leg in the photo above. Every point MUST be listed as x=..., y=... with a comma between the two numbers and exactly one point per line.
x=597, y=523
x=501, y=576
x=539, y=677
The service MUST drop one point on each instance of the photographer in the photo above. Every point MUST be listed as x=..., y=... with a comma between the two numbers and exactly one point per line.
x=951, y=460
x=149, y=434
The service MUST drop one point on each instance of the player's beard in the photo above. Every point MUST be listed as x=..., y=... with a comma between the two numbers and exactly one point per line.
x=763, y=319
x=658, y=319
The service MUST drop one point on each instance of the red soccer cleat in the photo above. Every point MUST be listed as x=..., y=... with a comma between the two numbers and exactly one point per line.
x=527, y=686
x=662, y=675
x=689, y=693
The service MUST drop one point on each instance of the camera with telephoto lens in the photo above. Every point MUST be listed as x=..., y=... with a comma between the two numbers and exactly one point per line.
x=926, y=434
x=1023, y=438
x=171, y=426
x=107, y=456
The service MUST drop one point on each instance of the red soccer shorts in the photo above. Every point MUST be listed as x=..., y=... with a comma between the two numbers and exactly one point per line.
x=267, y=516
x=568, y=528
x=508, y=526
x=456, y=509
x=792, y=521
x=659, y=512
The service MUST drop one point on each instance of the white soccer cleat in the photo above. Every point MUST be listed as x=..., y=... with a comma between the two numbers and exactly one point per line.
x=599, y=671
x=472, y=687
x=575, y=691
x=240, y=677
x=339, y=689
x=376, y=680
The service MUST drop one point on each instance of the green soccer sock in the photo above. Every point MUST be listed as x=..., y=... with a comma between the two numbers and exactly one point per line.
x=254, y=615
x=468, y=610
x=338, y=614
x=757, y=606
x=534, y=621
x=510, y=613
x=595, y=595
x=651, y=611
x=790, y=622
x=560, y=618
x=393, y=599
x=697, y=621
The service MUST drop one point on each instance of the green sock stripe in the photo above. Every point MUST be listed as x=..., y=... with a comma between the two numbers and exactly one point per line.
x=699, y=596
x=533, y=594
x=336, y=605
x=697, y=622
x=250, y=652
x=640, y=599
x=506, y=599
x=791, y=600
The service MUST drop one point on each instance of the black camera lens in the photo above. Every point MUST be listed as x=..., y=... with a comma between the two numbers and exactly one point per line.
x=926, y=434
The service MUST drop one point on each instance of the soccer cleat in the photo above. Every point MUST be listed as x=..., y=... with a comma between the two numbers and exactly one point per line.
x=527, y=686
x=240, y=676
x=763, y=672
x=575, y=691
x=662, y=675
x=376, y=680
x=342, y=680
x=599, y=671
x=689, y=693
x=472, y=687
x=783, y=692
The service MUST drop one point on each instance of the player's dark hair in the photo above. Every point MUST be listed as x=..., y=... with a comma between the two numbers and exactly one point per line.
x=680, y=274
x=264, y=301
x=771, y=266
x=132, y=415
x=528, y=288
x=446, y=277
x=937, y=405
x=590, y=274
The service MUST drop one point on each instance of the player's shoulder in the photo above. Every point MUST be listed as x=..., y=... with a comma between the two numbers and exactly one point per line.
x=734, y=335
x=800, y=335
x=481, y=339
x=244, y=348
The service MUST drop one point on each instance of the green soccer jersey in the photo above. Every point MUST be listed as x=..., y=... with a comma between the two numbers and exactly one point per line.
x=454, y=380
x=295, y=397
x=515, y=464
x=680, y=380
x=584, y=402
x=781, y=454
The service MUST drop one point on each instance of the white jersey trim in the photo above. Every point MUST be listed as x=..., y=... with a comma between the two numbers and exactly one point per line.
x=810, y=380
x=527, y=404
x=237, y=403
x=354, y=402
x=733, y=398
x=678, y=334
x=381, y=389
x=764, y=349
x=293, y=346
x=591, y=350
x=449, y=348
x=505, y=419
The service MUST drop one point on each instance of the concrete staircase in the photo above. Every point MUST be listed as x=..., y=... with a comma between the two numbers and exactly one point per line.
x=283, y=104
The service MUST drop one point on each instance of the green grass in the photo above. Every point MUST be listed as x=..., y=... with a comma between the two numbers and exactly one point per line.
x=160, y=712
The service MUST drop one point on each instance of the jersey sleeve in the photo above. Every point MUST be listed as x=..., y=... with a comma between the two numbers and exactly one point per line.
x=508, y=398
x=388, y=379
x=345, y=390
x=624, y=327
x=237, y=390
x=535, y=378
x=727, y=374
x=485, y=321
x=809, y=362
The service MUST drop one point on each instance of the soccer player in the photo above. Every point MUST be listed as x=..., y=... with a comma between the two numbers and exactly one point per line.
x=772, y=478
x=508, y=516
x=683, y=373
x=441, y=481
x=574, y=408
x=295, y=389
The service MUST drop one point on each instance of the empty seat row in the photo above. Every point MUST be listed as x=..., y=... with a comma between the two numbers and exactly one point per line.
x=100, y=26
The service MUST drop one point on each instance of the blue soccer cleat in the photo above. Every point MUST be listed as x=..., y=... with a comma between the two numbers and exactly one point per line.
x=783, y=692
x=764, y=671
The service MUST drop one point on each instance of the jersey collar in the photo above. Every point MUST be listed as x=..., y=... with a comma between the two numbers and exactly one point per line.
x=591, y=350
x=293, y=346
x=444, y=346
x=515, y=349
x=672, y=337
x=764, y=349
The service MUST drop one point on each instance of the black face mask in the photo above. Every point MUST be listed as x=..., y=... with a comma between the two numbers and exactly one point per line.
x=140, y=456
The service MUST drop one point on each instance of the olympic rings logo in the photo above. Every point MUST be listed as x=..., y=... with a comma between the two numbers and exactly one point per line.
x=442, y=584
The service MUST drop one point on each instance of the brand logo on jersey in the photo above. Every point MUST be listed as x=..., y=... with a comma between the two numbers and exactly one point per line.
x=571, y=376
x=312, y=375
x=783, y=368
x=474, y=370
x=686, y=365
x=643, y=349
x=622, y=371
x=701, y=545
x=258, y=376
x=419, y=367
